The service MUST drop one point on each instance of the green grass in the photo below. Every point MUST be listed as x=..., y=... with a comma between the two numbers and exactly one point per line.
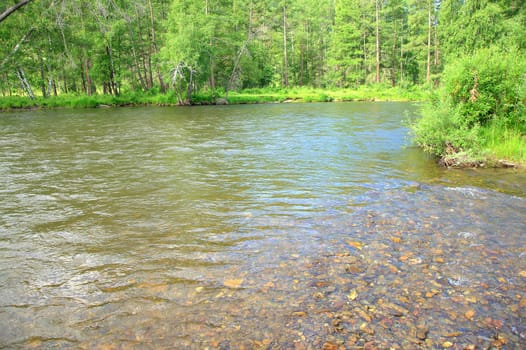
x=306, y=94
x=247, y=96
x=503, y=143
x=82, y=101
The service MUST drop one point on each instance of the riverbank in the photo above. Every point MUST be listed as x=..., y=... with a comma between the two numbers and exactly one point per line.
x=477, y=118
x=495, y=145
x=500, y=146
x=248, y=96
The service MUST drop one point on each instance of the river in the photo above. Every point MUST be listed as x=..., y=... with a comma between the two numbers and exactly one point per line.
x=281, y=226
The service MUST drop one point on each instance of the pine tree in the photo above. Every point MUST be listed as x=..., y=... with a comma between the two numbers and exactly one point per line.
x=347, y=48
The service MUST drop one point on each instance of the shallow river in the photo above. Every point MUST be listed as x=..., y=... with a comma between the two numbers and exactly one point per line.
x=291, y=226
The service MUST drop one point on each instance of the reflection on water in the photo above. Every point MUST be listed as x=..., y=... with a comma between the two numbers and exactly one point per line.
x=275, y=226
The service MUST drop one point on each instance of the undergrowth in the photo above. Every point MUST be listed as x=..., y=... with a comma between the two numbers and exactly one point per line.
x=479, y=114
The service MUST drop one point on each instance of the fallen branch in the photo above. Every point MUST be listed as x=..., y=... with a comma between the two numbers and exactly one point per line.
x=12, y=9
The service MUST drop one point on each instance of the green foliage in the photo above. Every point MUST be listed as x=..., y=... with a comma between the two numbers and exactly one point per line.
x=126, y=47
x=441, y=131
x=487, y=85
x=480, y=107
x=503, y=142
x=470, y=25
x=347, y=51
x=253, y=95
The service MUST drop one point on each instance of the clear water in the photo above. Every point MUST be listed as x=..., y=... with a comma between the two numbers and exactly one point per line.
x=251, y=227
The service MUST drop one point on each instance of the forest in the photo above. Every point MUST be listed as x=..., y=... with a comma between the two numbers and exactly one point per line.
x=56, y=47
x=466, y=58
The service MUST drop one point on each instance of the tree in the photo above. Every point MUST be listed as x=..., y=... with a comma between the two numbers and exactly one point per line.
x=466, y=26
x=377, y=26
x=109, y=46
x=311, y=24
x=395, y=33
x=347, y=51
x=422, y=28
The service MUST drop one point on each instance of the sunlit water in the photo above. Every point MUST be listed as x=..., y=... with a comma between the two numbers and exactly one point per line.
x=268, y=226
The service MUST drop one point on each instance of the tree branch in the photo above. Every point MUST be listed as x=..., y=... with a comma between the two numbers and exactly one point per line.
x=12, y=9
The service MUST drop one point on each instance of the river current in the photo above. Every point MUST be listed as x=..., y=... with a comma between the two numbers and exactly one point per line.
x=287, y=226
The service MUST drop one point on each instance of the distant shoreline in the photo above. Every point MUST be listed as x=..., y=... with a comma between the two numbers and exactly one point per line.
x=248, y=96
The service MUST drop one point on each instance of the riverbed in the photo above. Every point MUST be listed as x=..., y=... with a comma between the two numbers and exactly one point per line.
x=287, y=226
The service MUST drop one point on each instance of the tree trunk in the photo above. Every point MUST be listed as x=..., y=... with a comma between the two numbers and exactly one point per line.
x=65, y=80
x=145, y=61
x=147, y=74
x=90, y=86
x=83, y=78
x=401, y=58
x=150, y=69
x=428, y=70
x=394, y=55
x=236, y=65
x=24, y=83
x=365, y=65
x=87, y=77
x=285, y=59
x=112, y=86
x=377, y=41
x=42, y=76
x=154, y=46
x=5, y=79
x=437, y=51
x=152, y=23
x=211, y=80
x=302, y=65
x=137, y=67
x=189, y=88
x=55, y=88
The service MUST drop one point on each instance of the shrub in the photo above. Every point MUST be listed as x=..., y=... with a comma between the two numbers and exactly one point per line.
x=478, y=92
x=487, y=85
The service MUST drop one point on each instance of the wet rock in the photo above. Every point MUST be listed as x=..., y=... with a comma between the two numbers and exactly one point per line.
x=354, y=268
x=506, y=164
x=422, y=332
x=329, y=346
x=469, y=314
x=352, y=295
x=366, y=328
x=233, y=283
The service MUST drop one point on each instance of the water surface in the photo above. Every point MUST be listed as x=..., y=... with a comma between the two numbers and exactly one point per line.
x=267, y=226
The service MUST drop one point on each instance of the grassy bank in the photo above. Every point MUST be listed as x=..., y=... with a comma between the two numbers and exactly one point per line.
x=478, y=117
x=492, y=145
x=303, y=94
x=265, y=95
x=81, y=101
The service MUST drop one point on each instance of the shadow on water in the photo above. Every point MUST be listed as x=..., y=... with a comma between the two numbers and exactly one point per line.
x=268, y=226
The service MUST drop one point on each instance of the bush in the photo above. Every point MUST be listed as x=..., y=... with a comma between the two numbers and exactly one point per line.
x=490, y=84
x=441, y=132
x=478, y=92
